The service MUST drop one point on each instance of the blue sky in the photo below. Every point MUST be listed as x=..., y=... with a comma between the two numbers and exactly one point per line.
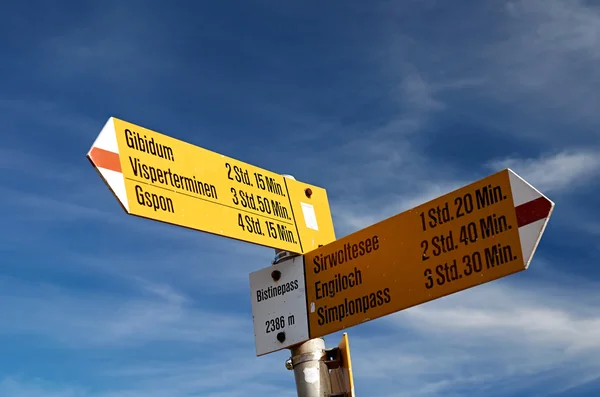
x=386, y=104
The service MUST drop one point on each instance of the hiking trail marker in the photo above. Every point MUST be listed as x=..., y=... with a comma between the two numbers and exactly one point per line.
x=481, y=232
x=164, y=179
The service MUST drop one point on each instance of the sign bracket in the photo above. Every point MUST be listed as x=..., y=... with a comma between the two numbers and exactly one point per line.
x=333, y=358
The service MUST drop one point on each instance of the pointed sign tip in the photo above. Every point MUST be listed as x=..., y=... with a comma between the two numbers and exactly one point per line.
x=533, y=210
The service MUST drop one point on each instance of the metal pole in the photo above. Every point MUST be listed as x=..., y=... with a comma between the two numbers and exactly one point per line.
x=310, y=370
x=308, y=359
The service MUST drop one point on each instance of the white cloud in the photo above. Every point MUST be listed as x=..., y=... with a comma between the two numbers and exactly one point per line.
x=30, y=165
x=495, y=334
x=190, y=380
x=554, y=172
x=352, y=216
x=96, y=207
x=253, y=375
x=83, y=319
x=535, y=61
x=227, y=371
x=74, y=127
x=548, y=61
x=79, y=49
x=16, y=387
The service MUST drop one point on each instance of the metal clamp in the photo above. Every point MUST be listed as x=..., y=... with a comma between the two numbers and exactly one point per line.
x=282, y=255
x=302, y=358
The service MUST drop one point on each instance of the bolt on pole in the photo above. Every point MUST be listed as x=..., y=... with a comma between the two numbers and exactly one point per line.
x=308, y=360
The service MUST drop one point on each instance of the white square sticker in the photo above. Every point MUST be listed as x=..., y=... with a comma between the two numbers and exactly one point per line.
x=310, y=218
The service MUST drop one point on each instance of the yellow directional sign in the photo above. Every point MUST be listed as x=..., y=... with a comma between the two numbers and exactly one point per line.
x=476, y=234
x=161, y=178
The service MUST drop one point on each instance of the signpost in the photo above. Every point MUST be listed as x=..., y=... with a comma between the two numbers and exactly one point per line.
x=481, y=232
x=484, y=231
x=161, y=178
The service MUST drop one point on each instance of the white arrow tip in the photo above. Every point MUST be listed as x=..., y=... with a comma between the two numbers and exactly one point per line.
x=533, y=211
x=104, y=155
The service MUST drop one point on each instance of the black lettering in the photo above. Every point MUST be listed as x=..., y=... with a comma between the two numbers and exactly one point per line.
x=492, y=225
x=348, y=252
x=168, y=178
x=228, y=166
x=488, y=195
x=429, y=283
x=348, y=308
x=145, y=172
x=498, y=254
x=464, y=205
x=373, y=299
x=386, y=293
x=129, y=139
x=424, y=246
x=317, y=263
x=338, y=283
x=321, y=320
x=375, y=240
x=134, y=165
x=210, y=190
x=439, y=270
x=155, y=201
x=279, y=290
x=142, y=144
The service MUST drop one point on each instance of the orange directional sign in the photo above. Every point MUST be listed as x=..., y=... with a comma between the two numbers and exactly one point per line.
x=476, y=234
x=168, y=180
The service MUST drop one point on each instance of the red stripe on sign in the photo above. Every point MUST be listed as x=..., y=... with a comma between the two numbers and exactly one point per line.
x=533, y=211
x=105, y=159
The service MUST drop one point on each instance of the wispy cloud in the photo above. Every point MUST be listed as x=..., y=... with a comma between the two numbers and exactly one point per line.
x=181, y=381
x=532, y=60
x=486, y=336
x=351, y=216
x=14, y=386
x=555, y=172
x=128, y=318
x=552, y=51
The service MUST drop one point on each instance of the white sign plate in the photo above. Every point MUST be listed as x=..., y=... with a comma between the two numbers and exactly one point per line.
x=279, y=307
